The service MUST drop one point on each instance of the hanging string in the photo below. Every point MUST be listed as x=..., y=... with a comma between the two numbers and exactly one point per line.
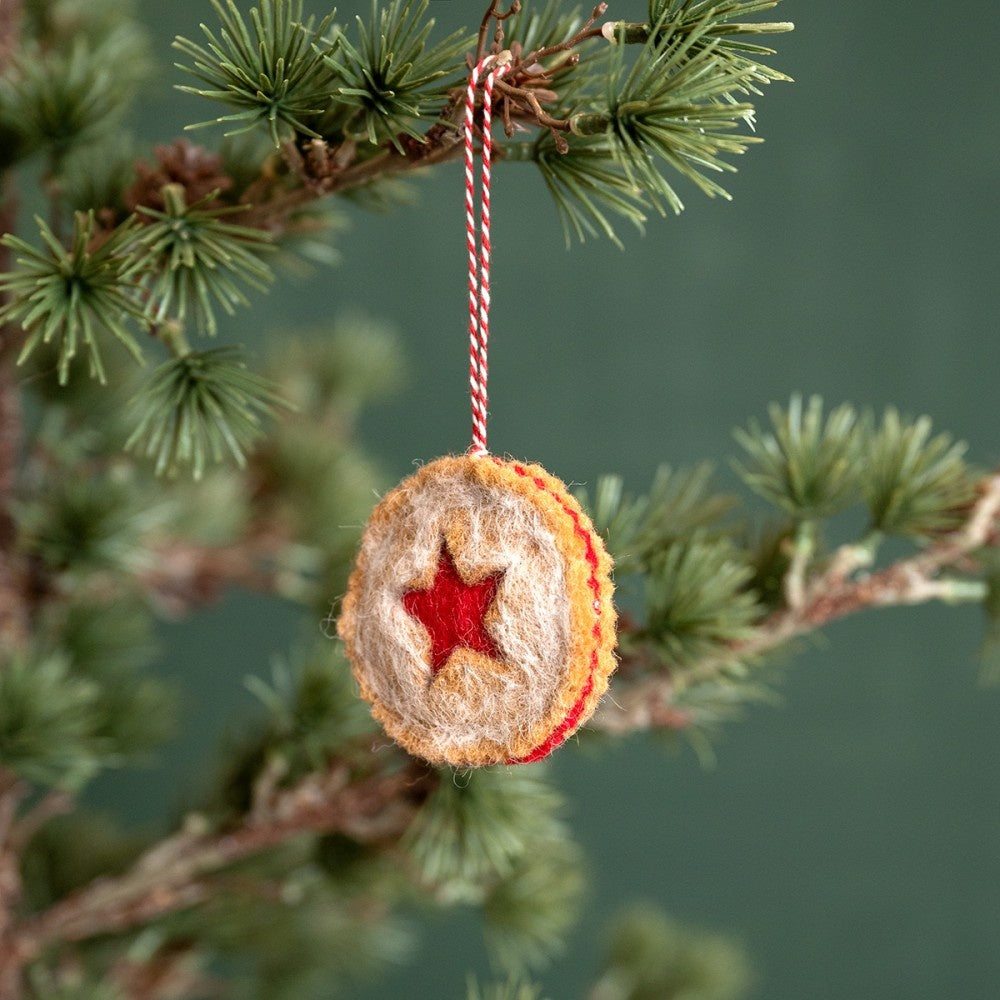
x=479, y=250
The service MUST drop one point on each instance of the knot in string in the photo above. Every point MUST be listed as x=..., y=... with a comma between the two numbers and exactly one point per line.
x=479, y=249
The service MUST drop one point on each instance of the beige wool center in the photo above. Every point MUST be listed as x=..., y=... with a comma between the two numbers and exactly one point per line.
x=472, y=697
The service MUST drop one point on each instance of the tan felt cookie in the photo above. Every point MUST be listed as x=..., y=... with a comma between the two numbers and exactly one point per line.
x=479, y=619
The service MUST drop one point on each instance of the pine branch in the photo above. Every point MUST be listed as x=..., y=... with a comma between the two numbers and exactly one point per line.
x=596, y=153
x=63, y=98
x=176, y=873
x=919, y=485
x=842, y=588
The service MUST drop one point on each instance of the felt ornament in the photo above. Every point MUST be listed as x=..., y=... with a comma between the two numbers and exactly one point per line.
x=478, y=618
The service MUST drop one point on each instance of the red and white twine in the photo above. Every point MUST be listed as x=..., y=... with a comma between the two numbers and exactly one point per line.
x=479, y=250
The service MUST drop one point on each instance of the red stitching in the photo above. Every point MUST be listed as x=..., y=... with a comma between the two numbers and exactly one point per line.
x=572, y=718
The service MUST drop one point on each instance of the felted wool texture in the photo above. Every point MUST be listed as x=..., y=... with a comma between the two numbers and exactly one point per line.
x=551, y=619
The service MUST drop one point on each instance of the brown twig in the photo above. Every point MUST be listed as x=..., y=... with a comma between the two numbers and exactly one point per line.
x=842, y=588
x=12, y=791
x=10, y=29
x=494, y=14
x=54, y=803
x=185, y=576
x=14, y=624
x=168, y=974
x=13, y=611
x=586, y=31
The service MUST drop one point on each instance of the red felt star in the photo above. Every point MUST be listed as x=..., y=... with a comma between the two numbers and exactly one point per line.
x=452, y=611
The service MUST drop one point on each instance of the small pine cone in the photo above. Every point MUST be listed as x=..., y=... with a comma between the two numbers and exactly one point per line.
x=181, y=162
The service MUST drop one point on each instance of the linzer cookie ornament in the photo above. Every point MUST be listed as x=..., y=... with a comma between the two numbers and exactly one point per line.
x=478, y=619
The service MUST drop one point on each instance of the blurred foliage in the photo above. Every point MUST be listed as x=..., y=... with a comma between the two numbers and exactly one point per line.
x=314, y=713
x=71, y=850
x=697, y=600
x=198, y=407
x=50, y=722
x=650, y=957
x=503, y=991
x=478, y=825
x=293, y=933
x=530, y=911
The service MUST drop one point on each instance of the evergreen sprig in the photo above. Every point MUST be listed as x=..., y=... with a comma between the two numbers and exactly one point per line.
x=697, y=600
x=109, y=644
x=392, y=77
x=72, y=986
x=315, y=712
x=673, y=103
x=914, y=484
x=55, y=24
x=678, y=504
x=650, y=957
x=671, y=107
x=199, y=407
x=277, y=73
x=105, y=645
x=75, y=295
x=84, y=521
x=584, y=177
x=475, y=829
x=49, y=721
x=58, y=99
x=587, y=184
x=511, y=990
x=805, y=465
x=530, y=911
x=192, y=261
x=724, y=33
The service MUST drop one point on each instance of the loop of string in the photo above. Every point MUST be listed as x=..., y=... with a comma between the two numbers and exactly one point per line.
x=479, y=251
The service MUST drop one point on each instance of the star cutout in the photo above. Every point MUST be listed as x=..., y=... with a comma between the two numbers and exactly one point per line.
x=452, y=611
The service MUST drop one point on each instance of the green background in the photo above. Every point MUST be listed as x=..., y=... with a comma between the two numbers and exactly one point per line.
x=849, y=835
